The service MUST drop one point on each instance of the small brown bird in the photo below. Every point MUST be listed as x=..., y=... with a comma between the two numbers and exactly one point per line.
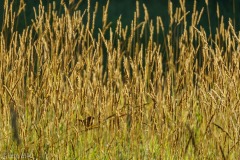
x=87, y=122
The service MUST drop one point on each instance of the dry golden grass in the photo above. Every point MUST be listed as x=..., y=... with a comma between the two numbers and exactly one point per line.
x=66, y=94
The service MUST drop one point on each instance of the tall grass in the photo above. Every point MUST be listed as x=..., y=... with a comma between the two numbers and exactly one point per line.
x=124, y=94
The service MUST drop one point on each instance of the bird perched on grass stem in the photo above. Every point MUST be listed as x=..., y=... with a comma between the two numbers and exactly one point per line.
x=87, y=122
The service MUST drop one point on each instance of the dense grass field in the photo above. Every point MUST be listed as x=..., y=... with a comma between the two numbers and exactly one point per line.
x=141, y=91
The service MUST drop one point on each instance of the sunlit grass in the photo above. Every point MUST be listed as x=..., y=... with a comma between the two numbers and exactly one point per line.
x=124, y=94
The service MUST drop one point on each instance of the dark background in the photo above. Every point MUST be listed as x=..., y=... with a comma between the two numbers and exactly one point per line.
x=126, y=8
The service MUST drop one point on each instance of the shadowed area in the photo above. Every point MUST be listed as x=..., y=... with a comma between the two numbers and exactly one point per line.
x=126, y=8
